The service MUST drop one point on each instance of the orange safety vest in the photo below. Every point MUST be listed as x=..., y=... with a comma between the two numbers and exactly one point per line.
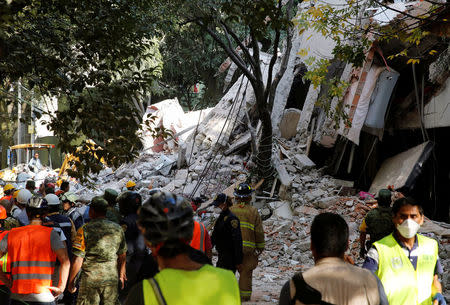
x=199, y=237
x=32, y=259
x=5, y=266
x=9, y=197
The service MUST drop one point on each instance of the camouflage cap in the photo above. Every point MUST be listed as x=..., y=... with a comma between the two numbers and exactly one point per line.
x=99, y=203
x=110, y=195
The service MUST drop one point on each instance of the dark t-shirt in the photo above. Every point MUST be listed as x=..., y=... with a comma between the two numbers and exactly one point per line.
x=136, y=295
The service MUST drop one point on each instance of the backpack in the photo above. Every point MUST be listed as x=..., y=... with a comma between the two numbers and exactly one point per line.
x=379, y=223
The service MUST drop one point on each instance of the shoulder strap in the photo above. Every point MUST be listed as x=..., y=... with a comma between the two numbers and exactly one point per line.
x=157, y=291
x=305, y=293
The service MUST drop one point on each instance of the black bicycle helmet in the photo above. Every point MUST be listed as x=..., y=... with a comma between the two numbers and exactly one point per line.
x=129, y=202
x=243, y=190
x=166, y=218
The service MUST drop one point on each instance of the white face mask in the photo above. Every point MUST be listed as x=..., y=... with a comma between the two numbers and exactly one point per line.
x=217, y=210
x=408, y=228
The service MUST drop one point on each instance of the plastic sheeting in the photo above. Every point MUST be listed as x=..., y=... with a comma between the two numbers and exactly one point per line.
x=402, y=170
x=379, y=103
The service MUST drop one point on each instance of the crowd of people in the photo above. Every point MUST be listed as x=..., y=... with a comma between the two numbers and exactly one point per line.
x=121, y=249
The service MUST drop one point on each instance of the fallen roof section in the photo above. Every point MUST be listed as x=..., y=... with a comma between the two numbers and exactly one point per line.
x=402, y=170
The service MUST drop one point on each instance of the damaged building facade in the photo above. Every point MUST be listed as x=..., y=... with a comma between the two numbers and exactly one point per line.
x=399, y=114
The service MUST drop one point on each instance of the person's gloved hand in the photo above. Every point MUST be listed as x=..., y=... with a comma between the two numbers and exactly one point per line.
x=440, y=298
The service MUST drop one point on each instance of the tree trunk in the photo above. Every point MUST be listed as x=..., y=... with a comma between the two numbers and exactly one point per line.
x=263, y=159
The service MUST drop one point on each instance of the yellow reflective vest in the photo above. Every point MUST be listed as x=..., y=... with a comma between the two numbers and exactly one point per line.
x=205, y=286
x=403, y=284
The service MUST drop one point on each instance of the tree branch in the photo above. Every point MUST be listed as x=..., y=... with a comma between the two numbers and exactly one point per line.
x=284, y=61
x=273, y=60
x=234, y=57
x=243, y=47
x=256, y=58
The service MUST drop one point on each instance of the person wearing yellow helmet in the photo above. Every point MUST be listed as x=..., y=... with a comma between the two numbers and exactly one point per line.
x=131, y=185
x=8, y=191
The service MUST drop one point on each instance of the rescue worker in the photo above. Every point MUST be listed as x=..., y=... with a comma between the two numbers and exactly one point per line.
x=166, y=221
x=66, y=229
x=31, y=186
x=62, y=223
x=201, y=240
x=70, y=210
x=32, y=252
x=4, y=289
x=35, y=164
x=129, y=203
x=64, y=188
x=8, y=191
x=131, y=185
x=332, y=280
x=252, y=237
x=112, y=213
x=377, y=223
x=99, y=250
x=227, y=236
x=9, y=222
x=407, y=263
x=18, y=211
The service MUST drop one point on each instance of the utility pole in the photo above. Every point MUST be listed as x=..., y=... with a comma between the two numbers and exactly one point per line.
x=19, y=115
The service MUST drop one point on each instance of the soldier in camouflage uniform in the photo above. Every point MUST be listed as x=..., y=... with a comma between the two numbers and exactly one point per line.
x=377, y=223
x=10, y=222
x=99, y=249
x=112, y=213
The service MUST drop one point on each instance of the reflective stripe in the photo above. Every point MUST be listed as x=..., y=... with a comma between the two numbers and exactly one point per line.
x=245, y=293
x=65, y=224
x=32, y=264
x=247, y=225
x=153, y=285
x=260, y=245
x=4, y=261
x=31, y=276
x=249, y=244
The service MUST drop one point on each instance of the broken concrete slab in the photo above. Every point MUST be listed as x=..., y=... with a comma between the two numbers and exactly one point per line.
x=325, y=203
x=303, y=161
x=282, y=209
x=289, y=122
x=312, y=195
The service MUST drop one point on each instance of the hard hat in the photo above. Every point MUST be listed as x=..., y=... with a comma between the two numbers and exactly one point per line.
x=15, y=194
x=37, y=203
x=23, y=196
x=166, y=218
x=8, y=187
x=69, y=196
x=130, y=184
x=52, y=199
x=129, y=202
x=2, y=213
x=243, y=190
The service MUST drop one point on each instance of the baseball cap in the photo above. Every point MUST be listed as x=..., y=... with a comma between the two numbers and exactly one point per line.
x=221, y=198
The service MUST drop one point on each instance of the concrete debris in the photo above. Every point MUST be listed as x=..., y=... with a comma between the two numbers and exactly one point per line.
x=303, y=161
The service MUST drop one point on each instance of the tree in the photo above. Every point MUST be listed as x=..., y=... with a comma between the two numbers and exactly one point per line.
x=99, y=60
x=261, y=21
x=190, y=58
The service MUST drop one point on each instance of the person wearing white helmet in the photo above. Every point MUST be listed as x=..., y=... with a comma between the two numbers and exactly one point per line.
x=18, y=210
x=70, y=210
x=65, y=227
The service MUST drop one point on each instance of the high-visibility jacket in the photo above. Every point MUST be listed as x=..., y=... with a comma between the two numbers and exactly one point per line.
x=251, y=227
x=403, y=284
x=182, y=287
x=199, y=237
x=5, y=266
x=32, y=259
x=8, y=197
